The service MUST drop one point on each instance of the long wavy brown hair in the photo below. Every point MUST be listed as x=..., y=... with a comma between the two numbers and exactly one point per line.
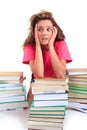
x=42, y=15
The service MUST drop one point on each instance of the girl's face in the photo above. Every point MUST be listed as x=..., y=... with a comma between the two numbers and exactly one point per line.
x=44, y=30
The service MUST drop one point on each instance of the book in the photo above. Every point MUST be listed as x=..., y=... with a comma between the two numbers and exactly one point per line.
x=13, y=105
x=7, y=92
x=77, y=105
x=50, y=96
x=78, y=87
x=77, y=95
x=78, y=91
x=48, y=108
x=10, y=81
x=81, y=76
x=61, y=81
x=77, y=71
x=50, y=103
x=78, y=100
x=13, y=98
x=10, y=75
x=10, y=86
x=84, y=79
x=46, y=116
x=37, y=89
x=43, y=127
x=76, y=82
x=48, y=112
x=44, y=124
x=48, y=119
x=77, y=109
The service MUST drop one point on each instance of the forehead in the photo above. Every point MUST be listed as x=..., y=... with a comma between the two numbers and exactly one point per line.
x=45, y=23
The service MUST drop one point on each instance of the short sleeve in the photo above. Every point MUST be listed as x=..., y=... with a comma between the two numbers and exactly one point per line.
x=63, y=51
x=29, y=54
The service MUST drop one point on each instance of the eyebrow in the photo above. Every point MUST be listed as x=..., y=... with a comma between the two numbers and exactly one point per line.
x=46, y=26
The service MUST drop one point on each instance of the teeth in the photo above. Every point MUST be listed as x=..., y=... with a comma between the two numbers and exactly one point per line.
x=44, y=38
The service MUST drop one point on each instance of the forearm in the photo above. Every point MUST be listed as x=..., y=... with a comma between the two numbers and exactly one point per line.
x=58, y=67
x=37, y=66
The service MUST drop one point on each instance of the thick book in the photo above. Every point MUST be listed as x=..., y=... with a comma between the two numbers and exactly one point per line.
x=8, y=92
x=50, y=103
x=83, y=79
x=13, y=98
x=10, y=81
x=48, y=108
x=37, y=89
x=77, y=95
x=77, y=71
x=13, y=105
x=12, y=94
x=43, y=127
x=10, y=86
x=46, y=112
x=50, y=96
x=48, y=119
x=10, y=75
x=78, y=87
x=59, y=81
x=46, y=116
x=82, y=76
x=78, y=100
x=77, y=105
x=45, y=124
x=78, y=82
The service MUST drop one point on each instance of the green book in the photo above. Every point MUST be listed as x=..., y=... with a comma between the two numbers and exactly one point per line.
x=84, y=88
x=78, y=91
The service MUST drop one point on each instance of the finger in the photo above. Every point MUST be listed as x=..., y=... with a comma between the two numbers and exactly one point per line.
x=22, y=79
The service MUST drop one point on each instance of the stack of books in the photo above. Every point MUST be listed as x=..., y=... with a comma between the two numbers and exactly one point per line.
x=12, y=92
x=78, y=88
x=47, y=110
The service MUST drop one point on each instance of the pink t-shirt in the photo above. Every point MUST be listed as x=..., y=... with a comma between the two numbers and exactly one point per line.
x=61, y=50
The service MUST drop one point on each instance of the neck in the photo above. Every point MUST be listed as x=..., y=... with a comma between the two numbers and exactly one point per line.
x=44, y=47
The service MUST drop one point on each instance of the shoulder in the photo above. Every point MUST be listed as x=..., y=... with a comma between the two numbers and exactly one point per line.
x=60, y=44
x=29, y=47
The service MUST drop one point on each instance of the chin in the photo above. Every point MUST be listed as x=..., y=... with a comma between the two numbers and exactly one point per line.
x=44, y=44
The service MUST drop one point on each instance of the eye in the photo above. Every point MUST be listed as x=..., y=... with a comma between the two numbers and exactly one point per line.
x=49, y=29
x=40, y=29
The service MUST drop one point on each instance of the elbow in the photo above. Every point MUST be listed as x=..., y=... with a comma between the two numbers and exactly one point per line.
x=40, y=75
x=61, y=74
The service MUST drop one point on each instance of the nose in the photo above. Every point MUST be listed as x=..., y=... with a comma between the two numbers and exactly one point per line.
x=44, y=31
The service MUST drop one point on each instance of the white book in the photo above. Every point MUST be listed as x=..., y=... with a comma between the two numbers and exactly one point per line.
x=10, y=86
x=46, y=81
x=50, y=96
x=50, y=103
x=12, y=94
x=77, y=105
x=10, y=75
x=77, y=71
x=37, y=89
x=13, y=105
x=43, y=123
x=7, y=92
x=43, y=127
x=12, y=98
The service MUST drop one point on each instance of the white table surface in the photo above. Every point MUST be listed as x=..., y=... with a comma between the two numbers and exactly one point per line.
x=14, y=120
x=17, y=120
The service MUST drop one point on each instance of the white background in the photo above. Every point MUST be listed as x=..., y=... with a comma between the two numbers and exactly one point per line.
x=14, y=15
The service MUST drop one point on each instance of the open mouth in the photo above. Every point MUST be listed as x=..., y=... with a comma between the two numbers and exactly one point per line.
x=44, y=39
